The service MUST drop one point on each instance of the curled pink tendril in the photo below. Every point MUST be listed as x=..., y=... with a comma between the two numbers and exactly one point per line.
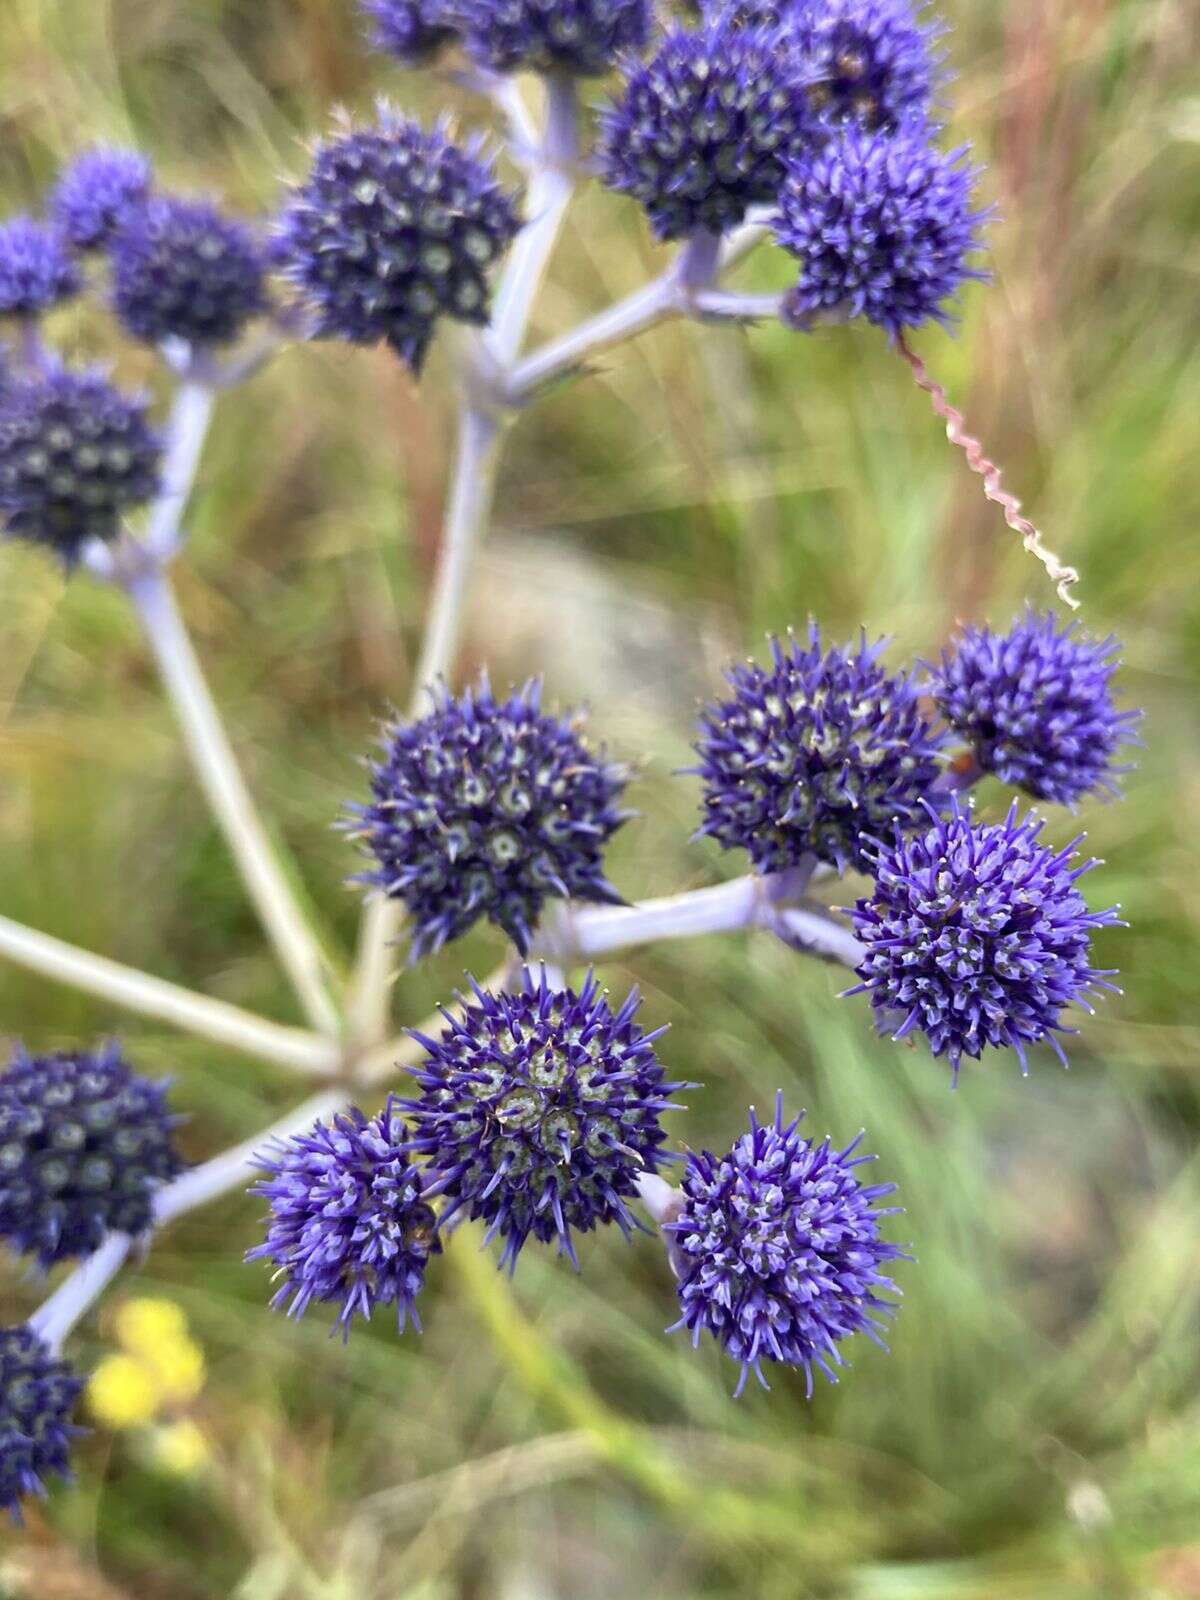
x=956, y=432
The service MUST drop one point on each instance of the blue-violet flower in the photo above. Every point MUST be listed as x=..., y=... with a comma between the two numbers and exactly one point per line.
x=37, y=1397
x=95, y=193
x=349, y=1223
x=36, y=269
x=487, y=808
x=584, y=37
x=539, y=1110
x=1036, y=706
x=411, y=30
x=84, y=1144
x=777, y=1250
x=813, y=752
x=976, y=935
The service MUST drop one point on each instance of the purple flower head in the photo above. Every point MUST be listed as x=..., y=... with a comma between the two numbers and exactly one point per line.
x=777, y=1250
x=75, y=454
x=1036, y=706
x=393, y=228
x=411, y=30
x=703, y=129
x=37, y=1396
x=812, y=753
x=84, y=1143
x=882, y=224
x=36, y=269
x=182, y=269
x=95, y=193
x=976, y=935
x=349, y=1223
x=488, y=808
x=584, y=37
x=540, y=1110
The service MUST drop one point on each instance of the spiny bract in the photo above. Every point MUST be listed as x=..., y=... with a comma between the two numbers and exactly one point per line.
x=488, y=808
x=813, y=752
x=976, y=936
x=84, y=1144
x=540, y=1109
x=1036, y=706
x=349, y=1223
x=777, y=1250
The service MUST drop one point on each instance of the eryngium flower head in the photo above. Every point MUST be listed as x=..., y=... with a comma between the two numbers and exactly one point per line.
x=392, y=228
x=411, y=30
x=1036, y=706
x=37, y=1397
x=75, y=454
x=182, y=269
x=348, y=1223
x=95, y=193
x=577, y=36
x=702, y=130
x=976, y=935
x=873, y=61
x=540, y=1110
x=36, y=269
x=777, y=1250
x=84, y=1143
x=812, y=753
x=487, y=808
x=882, y=224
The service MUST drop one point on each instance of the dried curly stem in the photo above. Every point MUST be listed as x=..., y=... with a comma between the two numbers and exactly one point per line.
x=956, y=431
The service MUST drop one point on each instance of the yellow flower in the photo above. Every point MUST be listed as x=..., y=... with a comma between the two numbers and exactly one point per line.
x=179, y=1448
x=122, y=1393
x=178, y=1367
x=143, y=1324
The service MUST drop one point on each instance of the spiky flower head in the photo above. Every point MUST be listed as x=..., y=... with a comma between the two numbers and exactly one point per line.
x=811, y=753
x=393, y=228
x=584, y=37
x=976, y=936
x=882, y=224
x=36, y=269
x=75, y=455
x=488, y=808
x=37, y=1397
x=411, y=30
x=95, y=193
x=701, y=131
x=873, y=60
x=349, y=1222
x=540, y=1109
x=182, y=269
x=84, y=1144
x=1036, y=706
x=777, y=1250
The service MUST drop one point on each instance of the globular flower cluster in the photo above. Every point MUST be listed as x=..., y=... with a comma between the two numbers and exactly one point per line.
x=95, y=194
x=84, y=1144
x=487, y=808
x=349, y=1221
x=583, y=37
x=873, y=60
x=777, y=1250
x=812, y=753
x=883, y=225
x=540, y=1110
x=392, y=228
x=36, y=268
x=976, y=936
x=411, y=30
x=702, y=130
x=1035, y=705
x=38, y=1393
x=75, y=454
x=182, y=269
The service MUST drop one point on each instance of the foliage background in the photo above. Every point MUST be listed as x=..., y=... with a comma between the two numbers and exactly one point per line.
x=1036, y=1430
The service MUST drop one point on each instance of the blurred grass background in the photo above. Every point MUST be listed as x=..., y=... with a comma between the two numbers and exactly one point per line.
x=1036, y=1429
